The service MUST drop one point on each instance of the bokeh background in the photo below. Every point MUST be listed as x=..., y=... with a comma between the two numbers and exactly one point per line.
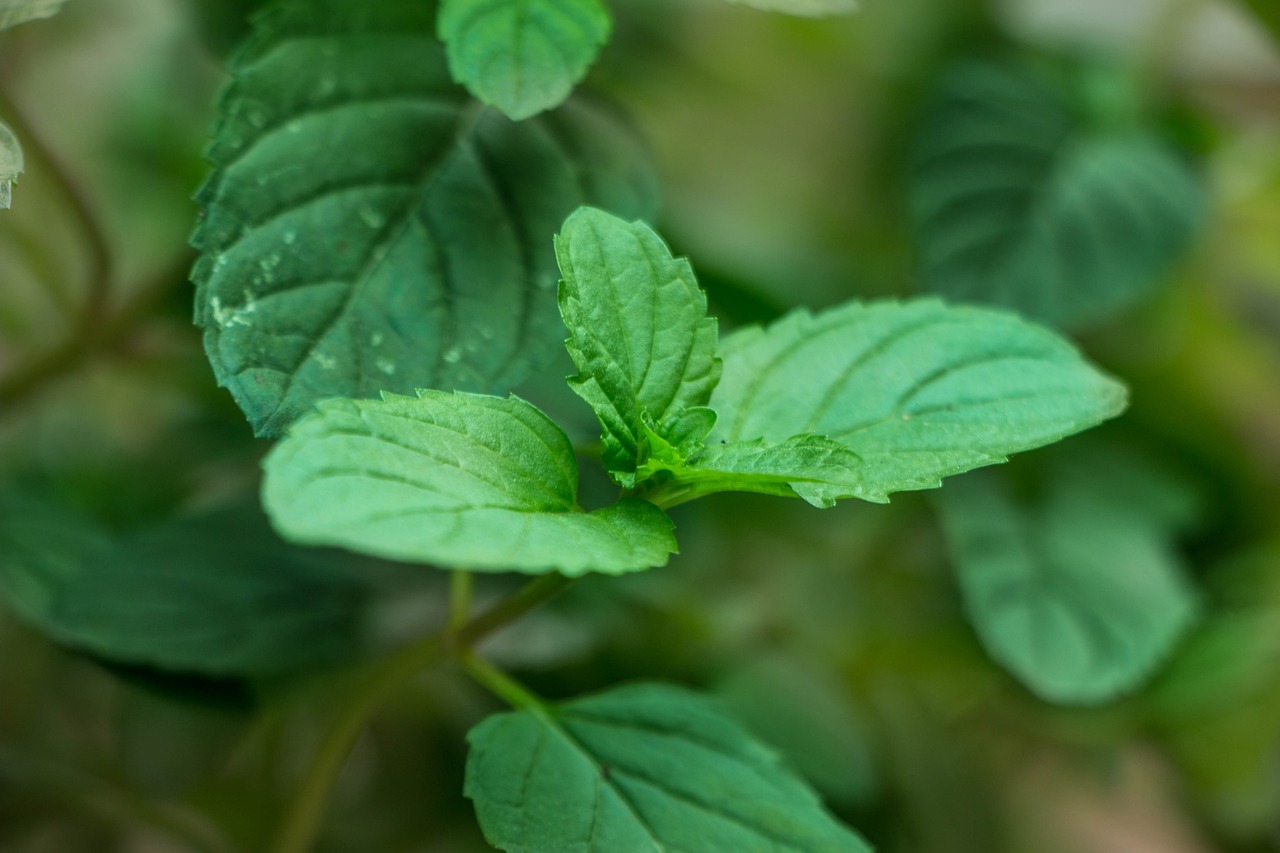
x=803, y=162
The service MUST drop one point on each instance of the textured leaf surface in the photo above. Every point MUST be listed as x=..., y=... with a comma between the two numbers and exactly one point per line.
x=368, y=228
x=11, y=164
x=917, y=390
x=1079, y=596
x=458, y=480
x=1017, y=203
x=522, y=56
x=642, y=768
x=638, y=333
x=13, y=12
x=216, y=595
x=806, y=8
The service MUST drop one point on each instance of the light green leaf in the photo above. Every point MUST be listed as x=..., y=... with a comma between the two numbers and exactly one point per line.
x=458, y=480
x=639, y=335
x=1018, y=203
x=917, y=390
x=368, y=228
x=217, y=594
x=522, y=56
x=1080, y=599
x=11, y=165
x=13, y=12
x=647, y=767
x=806, y=8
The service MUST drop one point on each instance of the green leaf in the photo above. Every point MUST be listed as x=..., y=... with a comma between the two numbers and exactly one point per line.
x=644, y=767
x=1079, y=598
x=639, y=335
x=917, y=390
x=1268, y=13
x=459, y=480
x=368, y=228
x=522, y=56
x=217, y=594
x=805, y=8
x=14, y=12
x=11, y=164
x=1018, y=202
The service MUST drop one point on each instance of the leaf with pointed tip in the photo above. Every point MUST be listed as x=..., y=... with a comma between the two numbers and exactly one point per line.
x=14, y=12
x=454, y=479
x=917, y=390
x=648, y=767
x=522, y=56
x=639, y=335
x=1018, y=203
x=367, y=228
x=1078, y=597
x=804, y=8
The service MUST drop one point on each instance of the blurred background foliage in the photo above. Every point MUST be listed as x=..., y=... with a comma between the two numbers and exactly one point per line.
x=1110, y=168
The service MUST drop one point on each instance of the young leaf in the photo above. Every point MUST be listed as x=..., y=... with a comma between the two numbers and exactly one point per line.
x=1017, y=203
x=806, y=8
x=11, y=164
x=13, y=12
x=638, y=333
x=1078, y=597
x=916, y=391
x=458, y=480
x=217, y=595
x=522, y=56
x=367, y=228
x=647, y=767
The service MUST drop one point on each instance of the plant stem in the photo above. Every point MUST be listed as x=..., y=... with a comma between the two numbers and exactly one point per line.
x=500, y=684
x=302, y=819
x=460, y=585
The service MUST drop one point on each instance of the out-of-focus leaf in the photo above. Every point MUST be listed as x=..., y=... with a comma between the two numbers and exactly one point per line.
x=14, y=12
x=917, y=390
x=1018, y=202
x=368, y=228
x=453, y=479
x=1267, y=12
x=1080, y=598
x=647, y=767
x=806, y=8
x=11, y=164
x=522, y=56
x=217, y=595
x=639, y=335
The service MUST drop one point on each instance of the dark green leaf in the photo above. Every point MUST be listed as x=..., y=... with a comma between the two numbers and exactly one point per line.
x=522, y=56
x=458, y=480
x=1078, y=597
x=1018, y=203
x=367, y=228
x=639, y=335
x=641, y=768
x=916, y=391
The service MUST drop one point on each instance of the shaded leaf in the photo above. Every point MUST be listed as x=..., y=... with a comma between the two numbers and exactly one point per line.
x=1018, y=202
x=458, y=480
x=368, y=228
x=917, y=390
x=522, y=56
x=1080, y=599
x=644, y=767
x=807, y=8
x=638, y=333
x=44, y=547
x=13, y=12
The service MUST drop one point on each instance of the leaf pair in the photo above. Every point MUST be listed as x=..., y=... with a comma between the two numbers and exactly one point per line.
x=860, y=401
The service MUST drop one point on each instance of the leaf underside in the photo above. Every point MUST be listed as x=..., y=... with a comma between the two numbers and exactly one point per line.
x=913, y=391
x=522, y=56
x=646, y=767
x=457, y=480
x=14, y=12
x=368, y=228
x=805, y=8
x=1080, y=597
x=1017, y=203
